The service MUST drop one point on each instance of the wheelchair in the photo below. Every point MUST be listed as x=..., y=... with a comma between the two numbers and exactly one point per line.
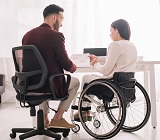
x=119, y=103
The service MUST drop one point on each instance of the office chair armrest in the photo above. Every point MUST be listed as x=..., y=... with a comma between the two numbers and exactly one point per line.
x=52, y=78
x=19, y=81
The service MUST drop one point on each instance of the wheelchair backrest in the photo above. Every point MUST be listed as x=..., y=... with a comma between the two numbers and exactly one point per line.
x=120, y=77
x=126, y=82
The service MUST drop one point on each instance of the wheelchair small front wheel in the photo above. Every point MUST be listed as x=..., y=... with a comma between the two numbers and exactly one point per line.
x=96, y=123
x=76, y=129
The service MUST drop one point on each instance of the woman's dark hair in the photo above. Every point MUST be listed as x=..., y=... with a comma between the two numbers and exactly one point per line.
x=50, y=9
x=123, y=28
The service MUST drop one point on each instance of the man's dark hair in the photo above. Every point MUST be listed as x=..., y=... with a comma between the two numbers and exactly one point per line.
x=123, y=28
x=50, y=9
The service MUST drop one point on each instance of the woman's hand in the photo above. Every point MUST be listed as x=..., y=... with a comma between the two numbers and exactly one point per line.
x=93, y=59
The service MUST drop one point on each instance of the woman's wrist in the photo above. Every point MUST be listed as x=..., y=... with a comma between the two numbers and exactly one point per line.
x=94, y=61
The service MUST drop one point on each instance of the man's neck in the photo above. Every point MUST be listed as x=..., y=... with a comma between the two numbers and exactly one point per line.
x=49, y=24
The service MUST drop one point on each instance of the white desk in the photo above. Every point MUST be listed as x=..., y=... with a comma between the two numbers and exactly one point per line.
x=148, y=67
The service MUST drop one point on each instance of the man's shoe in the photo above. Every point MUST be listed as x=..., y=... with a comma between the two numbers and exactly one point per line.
x=62, y=123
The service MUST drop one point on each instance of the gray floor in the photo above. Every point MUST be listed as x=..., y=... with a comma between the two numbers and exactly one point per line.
x=13, y=116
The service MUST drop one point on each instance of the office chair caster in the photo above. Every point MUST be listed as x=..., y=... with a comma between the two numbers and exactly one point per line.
x=65, y=132
x=57, y=138
x=76, y=129
x=13, y=135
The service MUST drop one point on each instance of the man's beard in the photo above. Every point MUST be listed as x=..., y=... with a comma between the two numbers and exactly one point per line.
x=56, y=26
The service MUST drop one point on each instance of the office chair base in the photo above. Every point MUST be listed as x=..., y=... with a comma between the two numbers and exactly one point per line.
x=40, y=130
x=20, y=130
x=32, y=132
x=29, y=132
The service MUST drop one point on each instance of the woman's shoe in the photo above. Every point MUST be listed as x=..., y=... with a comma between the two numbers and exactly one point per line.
x=89, y=118
x=85, y=114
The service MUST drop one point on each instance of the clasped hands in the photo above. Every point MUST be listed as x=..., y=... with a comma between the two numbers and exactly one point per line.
x=93, y=59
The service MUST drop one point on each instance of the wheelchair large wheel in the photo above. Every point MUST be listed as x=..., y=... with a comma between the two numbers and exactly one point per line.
x=137, y=112
x=100, y=126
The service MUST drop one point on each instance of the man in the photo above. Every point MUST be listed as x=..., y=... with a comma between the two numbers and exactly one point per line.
x=50, y=43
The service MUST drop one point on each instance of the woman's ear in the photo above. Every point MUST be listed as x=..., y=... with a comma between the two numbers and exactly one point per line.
x=117, y=31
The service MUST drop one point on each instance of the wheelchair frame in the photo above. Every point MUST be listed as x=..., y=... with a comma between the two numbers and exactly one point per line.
x=109, y=117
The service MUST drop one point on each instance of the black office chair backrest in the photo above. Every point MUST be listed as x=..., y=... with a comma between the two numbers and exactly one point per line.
x=31, y=70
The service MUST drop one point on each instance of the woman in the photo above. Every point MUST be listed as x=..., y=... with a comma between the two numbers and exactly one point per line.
x=122, y=54
x=121, y=57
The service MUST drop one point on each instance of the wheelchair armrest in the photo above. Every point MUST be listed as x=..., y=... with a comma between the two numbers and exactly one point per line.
x=51, y=78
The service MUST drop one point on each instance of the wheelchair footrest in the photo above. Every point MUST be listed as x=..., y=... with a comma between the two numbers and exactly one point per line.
x=75, y=107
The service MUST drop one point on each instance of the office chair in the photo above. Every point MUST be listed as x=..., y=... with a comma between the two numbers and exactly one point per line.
x=31, y=74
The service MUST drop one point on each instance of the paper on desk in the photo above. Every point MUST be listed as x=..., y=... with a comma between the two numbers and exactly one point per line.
x=81, y=60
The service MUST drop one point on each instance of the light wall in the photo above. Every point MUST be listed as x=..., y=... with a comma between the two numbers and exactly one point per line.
x=86, y=24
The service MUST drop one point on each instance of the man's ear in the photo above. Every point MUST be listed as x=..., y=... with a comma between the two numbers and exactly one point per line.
x=54, y=17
